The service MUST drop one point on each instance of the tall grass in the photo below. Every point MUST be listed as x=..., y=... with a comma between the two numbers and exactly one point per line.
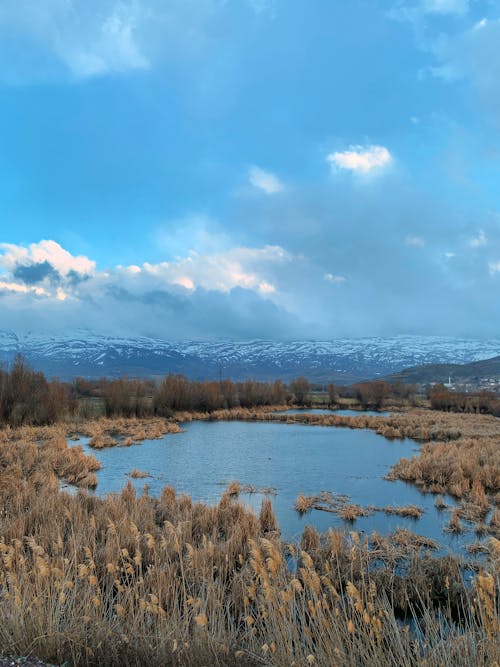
x=134, y=580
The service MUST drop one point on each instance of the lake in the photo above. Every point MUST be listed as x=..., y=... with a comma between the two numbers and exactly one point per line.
x=327, y=411
x=291, y=458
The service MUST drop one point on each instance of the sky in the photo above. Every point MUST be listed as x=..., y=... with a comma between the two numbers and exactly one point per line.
x=250, y=168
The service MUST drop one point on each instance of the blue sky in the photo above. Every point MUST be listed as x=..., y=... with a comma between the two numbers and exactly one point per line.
x=250, y=168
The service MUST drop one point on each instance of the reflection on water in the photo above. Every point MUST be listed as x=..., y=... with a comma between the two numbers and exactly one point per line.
x=292, y=458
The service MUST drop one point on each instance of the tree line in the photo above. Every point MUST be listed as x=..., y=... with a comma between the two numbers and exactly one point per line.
x=483, y=402
x=28, y=397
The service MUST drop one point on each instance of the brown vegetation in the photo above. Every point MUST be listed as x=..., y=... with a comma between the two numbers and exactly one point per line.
x=410, y=511
x=483, y=402
x=341, y=505
x=123, y=432
x=130, y=580
x=138, y=474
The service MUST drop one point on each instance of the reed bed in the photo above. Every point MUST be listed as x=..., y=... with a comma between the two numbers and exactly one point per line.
x=342, y=507
x=138, y=474
x=120, y=431
x=133, y=580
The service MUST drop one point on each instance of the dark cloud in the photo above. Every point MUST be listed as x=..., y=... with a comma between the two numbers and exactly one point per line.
x=73, y=277
x=32, y=274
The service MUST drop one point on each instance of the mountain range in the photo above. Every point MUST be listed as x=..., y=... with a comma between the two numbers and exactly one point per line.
x=341, y=360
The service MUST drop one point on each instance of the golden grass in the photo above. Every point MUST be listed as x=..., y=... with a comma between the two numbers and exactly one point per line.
x=133, y=580
x=106, y=432
x=138, y=474
x=340, y=505
x=409, y=511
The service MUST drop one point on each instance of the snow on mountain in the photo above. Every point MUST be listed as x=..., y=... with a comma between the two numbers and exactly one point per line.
x=339, y=360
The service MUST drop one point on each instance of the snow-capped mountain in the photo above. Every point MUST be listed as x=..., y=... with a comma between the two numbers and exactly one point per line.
x=341, y=360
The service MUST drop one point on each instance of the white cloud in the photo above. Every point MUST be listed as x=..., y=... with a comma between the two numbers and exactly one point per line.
x=362, y=159
x=113, y=47
x=235, y=292
x=480, y=24
x=415, y=241
x=335, y=280
x=249, y=268
x=45, y=251
x=494, y=267
x=478, y=241
x=265, y=180
x=21, y=289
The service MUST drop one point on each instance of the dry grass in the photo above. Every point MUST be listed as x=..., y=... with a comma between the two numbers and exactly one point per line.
x=234, y=489
x=454, y=524
x=440, y=504
x=132, y=580
x=340, y=505
x=138, y=474
x=123, y=432
x=350, y=512
x=409, y=511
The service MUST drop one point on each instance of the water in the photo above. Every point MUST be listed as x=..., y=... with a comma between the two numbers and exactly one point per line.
x=327, y=411
x=292, y=458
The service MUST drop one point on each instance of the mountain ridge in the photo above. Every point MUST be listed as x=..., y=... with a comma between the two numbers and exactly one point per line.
x=341, y=360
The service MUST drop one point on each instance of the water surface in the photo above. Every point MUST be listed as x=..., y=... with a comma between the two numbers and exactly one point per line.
x=328, y=411
x=291, y=458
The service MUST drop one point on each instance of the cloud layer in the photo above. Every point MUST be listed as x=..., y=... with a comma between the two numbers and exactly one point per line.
x=225, y=294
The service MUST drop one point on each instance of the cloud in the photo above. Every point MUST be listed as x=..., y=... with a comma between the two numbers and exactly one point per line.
x=494, y=267
x=415, y=241
x=335, y=280
x=362, y=159
x=79, y=39
x=31, y=274
x=472, y=55
x=197, y=232
x=415, y=12
x=21, y=288
x=250, y=268
x=265, y=180
x=185, y=296
x=478, y=241
x=43, y=260
x=459, y=7
x=85, y=37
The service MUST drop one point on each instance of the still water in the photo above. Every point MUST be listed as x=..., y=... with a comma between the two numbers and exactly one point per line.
x=290, y=458
x=326, y=411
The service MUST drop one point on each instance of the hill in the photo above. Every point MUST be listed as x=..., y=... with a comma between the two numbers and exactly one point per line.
x=482, y=374
x=340, y=360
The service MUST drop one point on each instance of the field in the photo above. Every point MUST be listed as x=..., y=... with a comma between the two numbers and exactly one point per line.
x=130, y=580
